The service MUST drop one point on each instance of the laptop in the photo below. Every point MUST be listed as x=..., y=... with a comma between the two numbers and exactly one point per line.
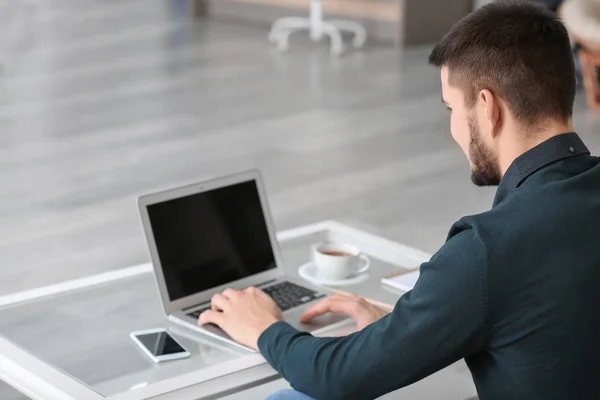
x=209, y=236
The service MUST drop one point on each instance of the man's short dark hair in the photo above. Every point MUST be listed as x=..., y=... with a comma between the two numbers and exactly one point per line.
x=520, y=52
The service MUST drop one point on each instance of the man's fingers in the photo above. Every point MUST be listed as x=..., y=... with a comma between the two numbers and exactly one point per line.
x=219, y=302
x=337, y=304
x=316, y=309
x=231, y=293
x=210, y=317
x=252, y=290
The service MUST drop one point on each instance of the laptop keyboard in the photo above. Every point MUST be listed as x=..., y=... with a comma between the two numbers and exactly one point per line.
x=286, y=295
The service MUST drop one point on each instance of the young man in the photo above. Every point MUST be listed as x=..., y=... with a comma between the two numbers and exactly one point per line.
x=515, y=291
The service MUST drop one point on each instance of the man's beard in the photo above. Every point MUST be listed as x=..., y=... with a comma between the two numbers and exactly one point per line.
x=485, y=170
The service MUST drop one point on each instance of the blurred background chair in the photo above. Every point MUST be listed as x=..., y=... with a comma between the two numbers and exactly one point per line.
x=318, y=27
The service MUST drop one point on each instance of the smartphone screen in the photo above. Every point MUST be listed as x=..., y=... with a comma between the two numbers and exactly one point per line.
x=160, y=344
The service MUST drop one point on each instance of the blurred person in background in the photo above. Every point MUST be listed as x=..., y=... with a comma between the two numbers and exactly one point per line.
x=514, y=290
x=582, y=19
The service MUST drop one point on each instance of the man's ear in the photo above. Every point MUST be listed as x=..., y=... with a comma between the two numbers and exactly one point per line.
x=491, y=112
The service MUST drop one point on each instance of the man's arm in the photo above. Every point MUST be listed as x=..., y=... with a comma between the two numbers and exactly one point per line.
x=442, y=320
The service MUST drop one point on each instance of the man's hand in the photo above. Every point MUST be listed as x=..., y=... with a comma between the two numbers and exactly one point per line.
x=357, y=308
x=244, y=315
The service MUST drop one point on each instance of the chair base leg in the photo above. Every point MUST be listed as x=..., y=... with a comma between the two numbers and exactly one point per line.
x=284, y=27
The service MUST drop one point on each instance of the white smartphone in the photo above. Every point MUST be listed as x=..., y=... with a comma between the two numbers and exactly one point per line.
x=159, y=345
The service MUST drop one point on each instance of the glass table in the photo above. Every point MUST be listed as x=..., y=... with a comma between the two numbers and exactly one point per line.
x=71, y=341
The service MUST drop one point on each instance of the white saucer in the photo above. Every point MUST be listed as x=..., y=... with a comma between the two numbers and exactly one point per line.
x=308, y=271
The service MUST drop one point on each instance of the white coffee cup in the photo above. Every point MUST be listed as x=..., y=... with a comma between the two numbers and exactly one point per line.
x=338, y=261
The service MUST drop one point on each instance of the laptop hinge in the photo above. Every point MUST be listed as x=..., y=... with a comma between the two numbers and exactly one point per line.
x=196, y=306
x=266, y=283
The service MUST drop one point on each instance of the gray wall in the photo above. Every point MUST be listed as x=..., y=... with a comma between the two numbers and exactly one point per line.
x=421, y=26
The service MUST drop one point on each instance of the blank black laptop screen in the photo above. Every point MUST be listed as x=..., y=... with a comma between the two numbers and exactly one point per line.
x=209, y=239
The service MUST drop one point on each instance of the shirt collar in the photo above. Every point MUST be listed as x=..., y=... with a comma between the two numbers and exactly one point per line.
x=554, y=149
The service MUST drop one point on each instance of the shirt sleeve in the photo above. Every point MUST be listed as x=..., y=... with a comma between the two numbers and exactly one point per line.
x=442, y=320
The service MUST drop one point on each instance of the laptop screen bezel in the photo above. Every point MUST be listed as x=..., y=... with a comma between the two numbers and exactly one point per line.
x=171, y=306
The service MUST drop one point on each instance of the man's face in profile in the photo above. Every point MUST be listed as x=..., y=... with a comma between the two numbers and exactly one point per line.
x=465, y=130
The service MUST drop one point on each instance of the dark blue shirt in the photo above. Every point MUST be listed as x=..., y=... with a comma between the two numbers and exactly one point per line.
x=515, y=291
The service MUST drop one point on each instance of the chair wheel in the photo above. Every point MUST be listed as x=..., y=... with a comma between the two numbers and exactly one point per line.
x=337, y=51
x=283, y=45
x=272, y=37
x=358, y=42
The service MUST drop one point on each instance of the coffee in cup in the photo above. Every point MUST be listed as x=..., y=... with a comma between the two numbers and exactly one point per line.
x=338, y=261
